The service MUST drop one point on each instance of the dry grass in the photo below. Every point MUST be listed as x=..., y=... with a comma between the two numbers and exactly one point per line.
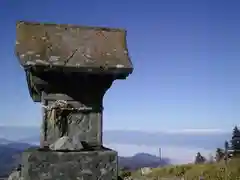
x=216, y=171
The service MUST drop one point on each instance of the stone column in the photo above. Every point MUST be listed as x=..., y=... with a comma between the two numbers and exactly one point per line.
x=69, y=69
x=84, y=96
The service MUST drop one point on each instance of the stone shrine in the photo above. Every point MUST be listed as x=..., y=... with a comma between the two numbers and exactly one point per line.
x=69, y=69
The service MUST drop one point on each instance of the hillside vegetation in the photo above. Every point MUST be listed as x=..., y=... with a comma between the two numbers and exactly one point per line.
x=215, y=171
x=225, y=165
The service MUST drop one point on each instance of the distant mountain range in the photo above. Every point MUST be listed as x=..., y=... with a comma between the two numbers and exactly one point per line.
x=128, y=142
x=142, y=160
x=207, y=140
x=10, y=157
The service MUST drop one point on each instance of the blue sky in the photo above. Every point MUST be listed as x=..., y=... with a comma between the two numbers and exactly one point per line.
x=185, y=53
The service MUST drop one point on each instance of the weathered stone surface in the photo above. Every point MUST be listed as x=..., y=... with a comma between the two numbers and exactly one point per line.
x=82, y=126
x=85, y=165
x=15, y=175
x=78, y=48
x=66, y=143
x=69, y=69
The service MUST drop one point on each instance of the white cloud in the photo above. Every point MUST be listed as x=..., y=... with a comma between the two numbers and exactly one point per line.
x=197, y=131
x=177, y=154
x=178, y=131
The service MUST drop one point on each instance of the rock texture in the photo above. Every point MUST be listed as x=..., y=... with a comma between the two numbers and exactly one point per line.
x=66, y=143
x=69, y=69
x=15, y=175
x=83, y=47
x=79, y=125
x=52, y=165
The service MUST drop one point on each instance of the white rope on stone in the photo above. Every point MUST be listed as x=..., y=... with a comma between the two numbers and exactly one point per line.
x=56, y=104
x=52, y=114
x=62, y=104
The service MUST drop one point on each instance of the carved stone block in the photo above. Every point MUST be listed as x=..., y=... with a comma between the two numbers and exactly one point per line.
x=83, y=127
x=85, y=165
x=77, y=48
x=69, y=69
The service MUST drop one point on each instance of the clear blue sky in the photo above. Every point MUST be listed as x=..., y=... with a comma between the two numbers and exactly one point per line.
x=186, y=56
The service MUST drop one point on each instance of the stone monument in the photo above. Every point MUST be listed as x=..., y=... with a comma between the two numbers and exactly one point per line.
x=69, y=69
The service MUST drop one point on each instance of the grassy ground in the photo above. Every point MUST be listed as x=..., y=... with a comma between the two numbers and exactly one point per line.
x=215, y=171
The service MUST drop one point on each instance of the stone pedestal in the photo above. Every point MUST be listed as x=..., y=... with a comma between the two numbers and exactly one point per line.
x=84, y=165
x=69, y=69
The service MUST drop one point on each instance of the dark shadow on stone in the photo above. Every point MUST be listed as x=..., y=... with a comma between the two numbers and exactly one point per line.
x=84, y=88
x=120, y=178
x=19, y=167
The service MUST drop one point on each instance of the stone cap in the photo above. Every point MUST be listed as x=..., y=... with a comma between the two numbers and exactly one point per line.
x=57, y=47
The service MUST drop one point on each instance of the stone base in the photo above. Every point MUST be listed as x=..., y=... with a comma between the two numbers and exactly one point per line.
x=84, y=165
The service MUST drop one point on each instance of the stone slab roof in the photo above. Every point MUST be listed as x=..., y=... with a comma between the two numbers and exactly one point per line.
x=73, y=48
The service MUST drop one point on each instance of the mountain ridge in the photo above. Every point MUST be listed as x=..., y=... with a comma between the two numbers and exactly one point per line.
x=11, y=157
x=196, y=140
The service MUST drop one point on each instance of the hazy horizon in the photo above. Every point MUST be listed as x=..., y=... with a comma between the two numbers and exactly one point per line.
x=186, y=142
